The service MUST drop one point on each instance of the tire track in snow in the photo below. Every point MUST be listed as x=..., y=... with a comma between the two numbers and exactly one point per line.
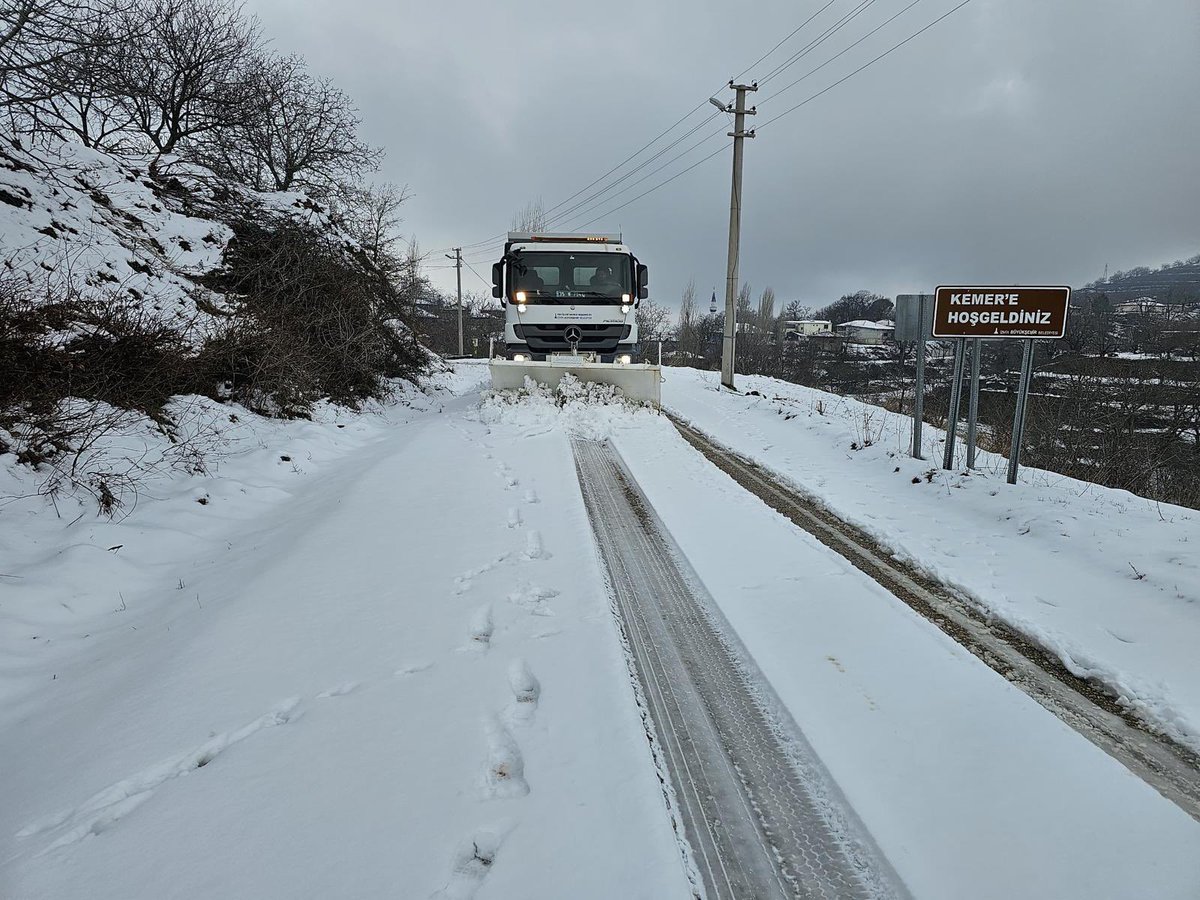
x=763, y=818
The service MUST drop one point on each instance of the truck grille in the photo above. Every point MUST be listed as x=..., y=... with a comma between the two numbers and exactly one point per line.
x=551, y=338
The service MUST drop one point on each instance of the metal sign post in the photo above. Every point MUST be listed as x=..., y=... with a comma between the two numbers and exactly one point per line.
x=955, y=402
x=1018, y=429
x=914, y=320
x=973, y=402
x=919, y=389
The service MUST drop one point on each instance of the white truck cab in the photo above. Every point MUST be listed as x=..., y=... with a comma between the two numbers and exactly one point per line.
x=569, y=294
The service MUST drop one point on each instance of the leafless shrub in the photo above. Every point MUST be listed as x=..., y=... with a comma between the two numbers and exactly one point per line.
x=315, y=320
x=73, y=373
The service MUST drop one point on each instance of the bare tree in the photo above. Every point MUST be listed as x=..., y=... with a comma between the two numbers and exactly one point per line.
x=193, y=74
x=372, y=215
x=795, y=311
x=45, y=45
x=860, y=305
x=687, y=318
x=653, y=321
x=532, y=218
x=766, y=311
x=34, y=33
x=301, y=132
x=73, y=94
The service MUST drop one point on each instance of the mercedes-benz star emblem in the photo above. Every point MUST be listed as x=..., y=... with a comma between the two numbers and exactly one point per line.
x=574, y=333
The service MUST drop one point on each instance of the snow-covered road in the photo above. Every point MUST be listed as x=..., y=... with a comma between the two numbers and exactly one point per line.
x=762, y=816
x=404, y=679
x=389, y=668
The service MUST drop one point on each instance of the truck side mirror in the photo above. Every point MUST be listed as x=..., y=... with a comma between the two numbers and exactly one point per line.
x=498, y=281
x=643, y=279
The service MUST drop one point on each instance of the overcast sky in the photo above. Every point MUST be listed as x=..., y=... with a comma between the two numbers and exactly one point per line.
x=1018, y=141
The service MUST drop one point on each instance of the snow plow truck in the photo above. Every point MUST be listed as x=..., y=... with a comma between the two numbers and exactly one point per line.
x=570, y=303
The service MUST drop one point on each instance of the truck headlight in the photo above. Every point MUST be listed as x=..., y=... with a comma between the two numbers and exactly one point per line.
x=624, y=308
x=625, y=359
x=518, y=357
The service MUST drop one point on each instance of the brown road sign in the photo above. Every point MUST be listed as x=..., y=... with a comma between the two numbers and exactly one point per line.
x=1000, y=312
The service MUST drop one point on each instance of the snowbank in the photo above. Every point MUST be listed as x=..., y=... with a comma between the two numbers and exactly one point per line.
x=585, y=409
x=1107, y=581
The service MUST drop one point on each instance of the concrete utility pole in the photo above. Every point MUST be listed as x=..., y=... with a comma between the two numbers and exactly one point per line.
x=457, y=257
x=738, y=108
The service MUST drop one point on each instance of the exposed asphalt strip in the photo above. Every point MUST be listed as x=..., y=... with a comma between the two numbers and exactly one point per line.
x=1170, y=768
x=761, y=815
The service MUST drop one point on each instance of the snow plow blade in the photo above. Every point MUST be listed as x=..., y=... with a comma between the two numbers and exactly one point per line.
x=640, y=382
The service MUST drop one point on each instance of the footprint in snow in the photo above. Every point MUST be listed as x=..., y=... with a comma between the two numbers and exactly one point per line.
x=340, y=691
x=533, y=546
x=533, y=598
x=481, y=628
x=530, y=496
x=504, y=776
x=471, y=862
x=412, y=669
x=463, y=582
x=514, y=518
x=526, y=690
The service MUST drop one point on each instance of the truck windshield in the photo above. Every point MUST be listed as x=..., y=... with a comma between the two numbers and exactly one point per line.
x=569, y=276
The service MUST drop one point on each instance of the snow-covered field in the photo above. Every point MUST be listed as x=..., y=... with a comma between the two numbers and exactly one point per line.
x=379, y=660
x=1106, y=580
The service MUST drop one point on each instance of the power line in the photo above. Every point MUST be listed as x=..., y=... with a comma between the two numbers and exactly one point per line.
x=668, y=163
x=655, y=188
x=486, y=284
x=817, y=41
x=843, y=51
x=627, y=159
x=807, y=100
x=582, y=203
x=645, y=146
x=561, y=216
x=592, y=202
x=784, y=41
x=829, y=32
x=865, y=65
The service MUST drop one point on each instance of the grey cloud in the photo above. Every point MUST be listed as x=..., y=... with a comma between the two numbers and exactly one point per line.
x=1017, y=141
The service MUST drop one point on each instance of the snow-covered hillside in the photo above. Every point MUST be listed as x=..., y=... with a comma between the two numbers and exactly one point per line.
x=81, y=222
x=133, y=294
